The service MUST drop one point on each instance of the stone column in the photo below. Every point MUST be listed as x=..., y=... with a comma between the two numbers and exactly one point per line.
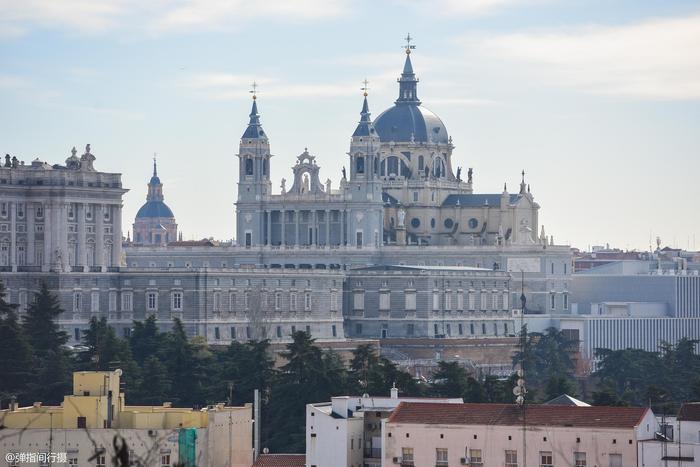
x=31, y=233
x=296, y=220
x=283, y=215
x=328, y=228
x=342, y=226
x=99, y=236
x=48, y=251
x=63, y=235
x=13, y=235
x=269, y=228
x=117, y=235
x=81, y=254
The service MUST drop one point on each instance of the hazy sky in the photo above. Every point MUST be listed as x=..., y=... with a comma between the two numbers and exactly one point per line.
x=598, y=100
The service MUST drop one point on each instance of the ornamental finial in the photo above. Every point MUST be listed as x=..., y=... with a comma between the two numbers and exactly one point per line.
x=254, y=91
x=408, y=45
x=365, y=87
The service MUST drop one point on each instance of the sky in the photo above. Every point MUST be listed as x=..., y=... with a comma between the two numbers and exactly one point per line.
x=597, y=100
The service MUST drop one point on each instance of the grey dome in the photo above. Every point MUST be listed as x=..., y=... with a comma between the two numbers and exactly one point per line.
x=154, y=208
x=402, y=120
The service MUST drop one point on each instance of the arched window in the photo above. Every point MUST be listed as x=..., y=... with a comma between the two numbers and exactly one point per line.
x=421, y=162
x=392, y=168
x=249, y=166
x=360, y=165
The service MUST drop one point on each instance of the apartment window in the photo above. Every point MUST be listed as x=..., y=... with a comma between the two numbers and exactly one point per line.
x=546, y=459
x=407, y=456
x=127, y=301
x=615, y=460
x=384, y=300
x=441, y=456
x=293, y=301
x=511, y=458
x=217, y=333
x=307, y=301
x=176, y=304
x=475, y=459
x=77, y=301
x=579, y=459
x=165, y=460
x=100, y=461
x=151, y=301
x=112, y=301
x=95, y=302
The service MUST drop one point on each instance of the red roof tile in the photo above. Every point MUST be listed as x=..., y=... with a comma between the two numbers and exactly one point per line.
x=690, y=412
x=512, y=415
x=280, y=460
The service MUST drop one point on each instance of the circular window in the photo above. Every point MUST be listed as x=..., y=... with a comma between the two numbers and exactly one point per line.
x=473, y=223
x=449, y=223
x=415, y=222
x=432, y=223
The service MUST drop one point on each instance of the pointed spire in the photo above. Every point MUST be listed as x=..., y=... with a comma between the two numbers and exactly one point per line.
x=522, y=184
x=254, y=130
x=365, y=127
x=155, y=169
x=408, y=83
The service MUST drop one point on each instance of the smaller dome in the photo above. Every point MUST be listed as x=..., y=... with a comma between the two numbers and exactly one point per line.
x=154, y=208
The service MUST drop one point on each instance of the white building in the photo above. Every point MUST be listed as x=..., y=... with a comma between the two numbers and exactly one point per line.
x=347, y=432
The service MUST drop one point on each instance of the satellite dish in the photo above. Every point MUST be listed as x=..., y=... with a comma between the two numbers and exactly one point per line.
x=521, y=382
x=517, y=390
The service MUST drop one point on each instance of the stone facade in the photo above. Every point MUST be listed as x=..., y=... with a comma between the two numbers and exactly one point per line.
x=60, y=217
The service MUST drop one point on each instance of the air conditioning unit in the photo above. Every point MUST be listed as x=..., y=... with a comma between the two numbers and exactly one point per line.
x=463, y=461
x=152, y=433
x=396, y=460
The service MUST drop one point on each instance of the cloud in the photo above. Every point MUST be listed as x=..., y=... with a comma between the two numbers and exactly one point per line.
x=98, y=16
x=464, y=7
x=12, y=82
x=656, y=59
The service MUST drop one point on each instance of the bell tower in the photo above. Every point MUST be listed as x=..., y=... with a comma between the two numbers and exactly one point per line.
x=254, y=184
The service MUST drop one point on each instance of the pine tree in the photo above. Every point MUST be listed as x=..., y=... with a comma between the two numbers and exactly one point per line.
x=15, y=352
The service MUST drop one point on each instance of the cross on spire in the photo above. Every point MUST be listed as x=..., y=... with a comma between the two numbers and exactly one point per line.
x=254, y=91
x=408, y=45
x=365, y=86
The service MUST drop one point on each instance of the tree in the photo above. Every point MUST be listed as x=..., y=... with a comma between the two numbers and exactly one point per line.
x=245, y=367
x=51, y=360
x=145, y=340
x=15, y=352
x=450, y=380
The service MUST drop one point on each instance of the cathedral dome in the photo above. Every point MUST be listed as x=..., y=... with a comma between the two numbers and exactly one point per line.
x=407, y=122
x=154, y=208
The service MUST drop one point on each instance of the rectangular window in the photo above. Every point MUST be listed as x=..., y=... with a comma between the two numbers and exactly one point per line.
x=217, y=333
x=81, y=422
x=307, y=301
x=246, y=300
x=460, y=329
x=233, y=332
x=407, y=456
x=112, y=300
x=279, y=331
x=358, y=301
x=410, y=299
x=358, y=328
x=77, y=301
x=410, y=329
x=471, y=328
x=247, y=332
x=472, y=301
x=475, y=459
x=216, y=301
x=505, y=301
x=359, y=240
x=278, y=301
x=232, y=302
x=151, y=301
x=165, y=460
x=334, y=331
x=511, y=458
x=176, y=304
x=100, y=461
x=293, y=301
x=441, y=456
x=436, y=301
x=127, y=301
x=95, y=302
x=546, y=459
x=448, y=301
x=615, y=460
x=494, y=301
x=308, y=330
x=484, y=301
x=460, y=300
x=384, y=301
x=73, y=460
x=579, y=459
x=552, y=301
x=76, y=334
x=483, y=328
x=565, y=298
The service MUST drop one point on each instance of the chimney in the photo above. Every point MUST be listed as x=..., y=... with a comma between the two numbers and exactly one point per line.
x=394, y=392
x=13, y=404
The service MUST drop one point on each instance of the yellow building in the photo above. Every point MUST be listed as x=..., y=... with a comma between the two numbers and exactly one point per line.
x=92, y=424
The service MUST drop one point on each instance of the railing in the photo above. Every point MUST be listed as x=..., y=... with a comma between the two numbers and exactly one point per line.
x=77, y=268
x=28, y=268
